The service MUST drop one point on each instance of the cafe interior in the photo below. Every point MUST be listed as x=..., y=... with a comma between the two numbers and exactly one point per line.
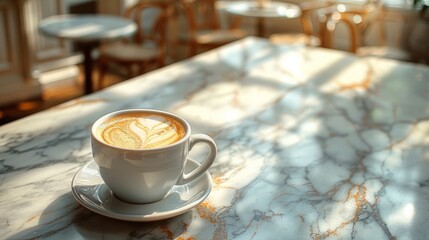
x=314, y=115
x=39, y=71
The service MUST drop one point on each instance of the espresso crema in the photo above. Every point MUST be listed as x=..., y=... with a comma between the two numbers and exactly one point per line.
x=141, y=130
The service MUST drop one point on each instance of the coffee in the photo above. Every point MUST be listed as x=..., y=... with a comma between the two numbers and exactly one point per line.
x=136, y=130
x=151, y=153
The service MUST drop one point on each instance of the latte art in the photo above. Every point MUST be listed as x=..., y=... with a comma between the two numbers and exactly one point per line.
x=141, y=131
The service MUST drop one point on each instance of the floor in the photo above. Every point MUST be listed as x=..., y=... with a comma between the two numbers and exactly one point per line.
x=52, y=97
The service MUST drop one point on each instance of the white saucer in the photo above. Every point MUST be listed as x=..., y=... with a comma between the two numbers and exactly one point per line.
x=89, y=190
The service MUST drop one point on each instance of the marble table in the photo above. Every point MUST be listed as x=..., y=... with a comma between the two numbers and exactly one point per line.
x=312, y=144
x=88, y=30
x=261, y=10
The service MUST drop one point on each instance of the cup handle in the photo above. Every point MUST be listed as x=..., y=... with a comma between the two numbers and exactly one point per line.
x=194, y=139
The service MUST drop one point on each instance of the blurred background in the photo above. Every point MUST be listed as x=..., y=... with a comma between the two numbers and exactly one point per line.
x=38, y=72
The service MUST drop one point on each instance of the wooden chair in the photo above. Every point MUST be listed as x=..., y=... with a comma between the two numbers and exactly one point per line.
x=204, y=29
x=357, y=18
x=309, y=35
x=148, y=46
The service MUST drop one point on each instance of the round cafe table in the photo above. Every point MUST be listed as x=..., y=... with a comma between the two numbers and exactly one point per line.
x=262, y=10
x=88, y=30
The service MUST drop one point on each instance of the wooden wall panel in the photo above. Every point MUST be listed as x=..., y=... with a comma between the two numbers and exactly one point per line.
x=43, y=48
x=8, y=40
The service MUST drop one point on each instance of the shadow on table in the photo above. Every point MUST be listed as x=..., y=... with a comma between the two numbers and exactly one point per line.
x=350, y=152
x=343, y=145
x=64, y=218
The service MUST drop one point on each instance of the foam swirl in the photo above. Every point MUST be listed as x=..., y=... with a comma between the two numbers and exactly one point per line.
x=136, y=131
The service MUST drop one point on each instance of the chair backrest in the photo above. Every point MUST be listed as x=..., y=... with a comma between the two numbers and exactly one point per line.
x=151, y=18
x=308, y=16
x=356, y=17
x=202, y=15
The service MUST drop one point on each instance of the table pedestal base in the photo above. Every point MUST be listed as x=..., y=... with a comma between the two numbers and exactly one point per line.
x=88, y=65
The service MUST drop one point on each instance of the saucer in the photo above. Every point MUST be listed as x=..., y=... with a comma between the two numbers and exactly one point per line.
x=89, y=190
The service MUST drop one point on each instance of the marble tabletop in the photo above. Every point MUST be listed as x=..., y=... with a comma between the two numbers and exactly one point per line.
x=87, y=27
x=264, y=9
x=312, y=144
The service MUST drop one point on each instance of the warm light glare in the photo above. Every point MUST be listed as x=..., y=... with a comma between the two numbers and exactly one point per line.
x=81, y=30
x=281, y=10
x=336, y=16
x=357, y=19
x=54, y=75
x=288, y=12
x=341, y=7
x=403, y=216
x=331, y=26
x=292, y=12
x=25, y=106
x=232, y=114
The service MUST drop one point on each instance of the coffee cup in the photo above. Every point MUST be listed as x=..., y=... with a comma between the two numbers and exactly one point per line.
x=142, y=153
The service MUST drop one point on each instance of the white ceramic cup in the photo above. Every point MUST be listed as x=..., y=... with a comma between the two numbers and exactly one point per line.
x=146, y=175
